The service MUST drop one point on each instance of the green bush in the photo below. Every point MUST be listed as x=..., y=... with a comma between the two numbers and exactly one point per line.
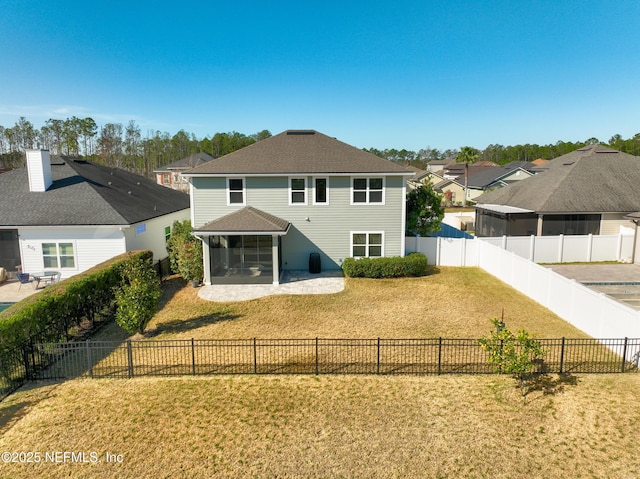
x=49, y=315
x=137, y=296
x=414, y=264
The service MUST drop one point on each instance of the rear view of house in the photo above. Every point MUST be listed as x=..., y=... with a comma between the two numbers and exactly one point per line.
x=275, y=204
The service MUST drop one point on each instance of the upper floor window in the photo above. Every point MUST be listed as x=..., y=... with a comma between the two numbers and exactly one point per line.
x=321, y=191
x=235, y=191
x=367, y=190
x=58, y=255
x=297, y=191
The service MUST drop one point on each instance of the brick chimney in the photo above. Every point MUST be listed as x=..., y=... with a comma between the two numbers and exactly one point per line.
x=39, y=170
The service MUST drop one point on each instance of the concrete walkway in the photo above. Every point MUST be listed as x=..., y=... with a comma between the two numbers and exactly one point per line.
x=293, y=282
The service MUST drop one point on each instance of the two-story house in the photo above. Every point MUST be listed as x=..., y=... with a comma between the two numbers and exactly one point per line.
x=271, y=205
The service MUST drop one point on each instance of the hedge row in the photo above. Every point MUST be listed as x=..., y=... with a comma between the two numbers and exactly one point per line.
x=414, y=264
x=48, y=315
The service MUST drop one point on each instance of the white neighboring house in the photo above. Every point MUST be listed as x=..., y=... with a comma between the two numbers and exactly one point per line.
x=67, y=215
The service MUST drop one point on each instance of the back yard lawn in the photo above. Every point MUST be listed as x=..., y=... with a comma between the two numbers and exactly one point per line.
x=452, y=302
x=326, y=427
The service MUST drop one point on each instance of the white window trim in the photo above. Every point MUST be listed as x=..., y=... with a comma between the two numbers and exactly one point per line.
x=367, y=233
x=244, y=191
x=305, y=191
x=59, y=267
x=384, y=184
x=322, y=203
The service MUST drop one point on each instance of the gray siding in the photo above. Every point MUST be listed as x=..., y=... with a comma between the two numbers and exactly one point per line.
x=314, y=228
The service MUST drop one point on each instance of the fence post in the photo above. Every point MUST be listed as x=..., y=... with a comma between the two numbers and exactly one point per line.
x=255, y=357
x=316, y=355
x=25, y=357
x=562, y=356
x=193, y=358
x=89, y=361
x=130, y=358
x=624, y=353
x=439, y=354
x=378, y=358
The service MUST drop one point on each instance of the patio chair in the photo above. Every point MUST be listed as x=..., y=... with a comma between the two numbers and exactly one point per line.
x=24, y=278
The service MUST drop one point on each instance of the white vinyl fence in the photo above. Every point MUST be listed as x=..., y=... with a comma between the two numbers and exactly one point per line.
x=594, y=313
x=539, y=249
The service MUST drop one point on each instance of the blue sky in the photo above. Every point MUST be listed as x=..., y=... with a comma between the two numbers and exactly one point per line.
x=383, y=74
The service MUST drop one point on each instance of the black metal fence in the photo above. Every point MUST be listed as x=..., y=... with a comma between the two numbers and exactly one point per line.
x=100, y=359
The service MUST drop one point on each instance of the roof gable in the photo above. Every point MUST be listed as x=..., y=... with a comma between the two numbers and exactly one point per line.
x=299, y=152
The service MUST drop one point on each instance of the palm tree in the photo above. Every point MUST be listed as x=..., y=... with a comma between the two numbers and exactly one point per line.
x=467, y=155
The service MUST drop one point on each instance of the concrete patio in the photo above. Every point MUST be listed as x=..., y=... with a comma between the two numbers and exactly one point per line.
x=293, y=282
x=11, y=292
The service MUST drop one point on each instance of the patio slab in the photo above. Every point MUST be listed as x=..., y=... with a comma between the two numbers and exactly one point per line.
x=293, y=282
x=11, y=292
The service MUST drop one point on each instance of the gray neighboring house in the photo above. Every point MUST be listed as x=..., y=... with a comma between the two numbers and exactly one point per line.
x=170, y=175
x=587, y=191
x=271, y=205
x=67, y=215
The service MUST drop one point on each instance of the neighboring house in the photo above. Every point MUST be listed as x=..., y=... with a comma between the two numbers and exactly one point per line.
x=587, y=191
x=269, y=206
x=437, y=166
x=455, y=171
x=170, y=176
x=67, y=215
x=493, y=178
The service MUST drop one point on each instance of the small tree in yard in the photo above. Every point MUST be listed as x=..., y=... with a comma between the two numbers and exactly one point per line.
x=137, y=296
x=424, y=210
x=514, y=354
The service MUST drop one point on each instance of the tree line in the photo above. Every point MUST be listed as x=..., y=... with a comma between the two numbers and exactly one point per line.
x=123, y=146
x=114, y=144
x=501, y=154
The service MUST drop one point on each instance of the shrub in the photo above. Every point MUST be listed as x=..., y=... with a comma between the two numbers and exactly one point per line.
x=49, y=315
x=185, y=251
x=414, y=264
x=137, y=296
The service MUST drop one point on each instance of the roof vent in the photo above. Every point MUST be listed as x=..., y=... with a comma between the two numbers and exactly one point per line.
x=301, y=132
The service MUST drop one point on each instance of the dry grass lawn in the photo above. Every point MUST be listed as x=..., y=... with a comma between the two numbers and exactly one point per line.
x=328, y=427
x=452, y=302
x=336, y=426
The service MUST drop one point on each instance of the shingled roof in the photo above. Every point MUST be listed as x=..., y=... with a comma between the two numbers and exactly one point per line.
x=298, y=152
x=190, y=161
x=591, y=179
x=246, y=220
x=85, y=193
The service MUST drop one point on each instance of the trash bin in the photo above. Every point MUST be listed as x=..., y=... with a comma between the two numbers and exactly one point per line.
x=314, y=263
